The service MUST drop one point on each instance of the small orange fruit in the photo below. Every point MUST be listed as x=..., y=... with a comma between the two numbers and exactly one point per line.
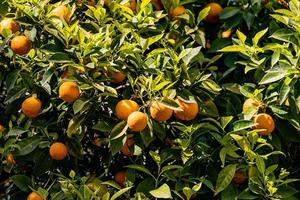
x=2, y=128
x=31, y=107
x=287, y=103
x=207, y=44
x=124, y=108
x=240, y=177
x=69, y=91
x=20, y=44
x=120, y=178
x=266, y=122
x=132, y=5
x=129, y=142
x=58, y=151
x=157, y=4
x=160, y=112
x=137, y=121
x=213, y=15
x=34, y=196
x=10, y=159
x=250, y=103
x=117, y=77
x=226, y=34
x=179, y=10
x=189, y=110
x=9, y=24
x=61, y=12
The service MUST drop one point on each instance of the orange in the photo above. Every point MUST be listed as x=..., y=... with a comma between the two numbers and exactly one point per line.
x=239, y=177
x=160, y=112
x=120, y=178
x=20, y=44
x=179, y=10
x=2, y=128
x=287, y=103
x=132, y=5
x=129, y=142
x=31, y=107
x=58, y=151
x=9, y=24
x=157, y=4
x=34, y=196
x=189, y=110
x=137, y=121
x=213, y=15
x=226, y=34
x=117, y=77
x=69, y=91
x=207, y=44
x=10, y=159
x=61, y=12
x=250, y=103
x=266, y=122
x=124, y=108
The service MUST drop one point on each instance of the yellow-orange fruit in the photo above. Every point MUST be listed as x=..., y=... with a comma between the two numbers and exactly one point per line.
x=157, y=4
x=189, y=110
x=124, y=108
x=129, y=142
x=69, y=91
x=31, y=107
x=213, y=15
x=240, y=177
x=117, y=77
x=61, y=12
x=58, y=151
x=226, y=34
x=266, y=122
x=207, y=44
x=160, y=112
x=132, y=5
x=137, y=121
x=179, y=10
x=2, y=128
x=120, y=178
x=249, y=103
x=10, y=159
x=34, y=196
x=20, y=44
x=9, y=24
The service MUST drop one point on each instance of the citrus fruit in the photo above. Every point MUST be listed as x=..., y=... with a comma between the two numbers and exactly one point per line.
x=69, y=91
x=189, y=110
x=226, y=34
x=20, y=44
x=124, y=108
x=240, y=177
x=120, y=178
x=129, y=142
x=34, y=196
x=213, y=15
x=179, y=10
x=31, y=107
x=250, y=103
x=58, y=151
x=157, y=4
x=2, y=128
x=264, y=121
x=61, y=12
x=137, y=121
x=10, y=159
x=117, y=77
x=160, y=112
x=9, y=24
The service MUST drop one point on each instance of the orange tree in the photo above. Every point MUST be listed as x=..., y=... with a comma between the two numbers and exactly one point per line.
x=149, y=99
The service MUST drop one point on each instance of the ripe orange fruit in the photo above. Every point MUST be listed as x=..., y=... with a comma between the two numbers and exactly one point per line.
x=2, y=128
x=132, y=5
x=10, y=159
x=69, y=91
x=226, y=34
x=137, y=121
x=189, y=110
x=9, y=24
x=61, y=12
x=264, y=121
x=179, y=10
x=213, y=15
x=207, y=44
x=58, y=151
x=129, y=142
x=250, y=103
x=34, y=196
x=124, y=108
x=120, y=178
x=240, y=177
x=31, y=107
x=157, y=4
x=117, y=77
x=20, y=44
x=160, y=112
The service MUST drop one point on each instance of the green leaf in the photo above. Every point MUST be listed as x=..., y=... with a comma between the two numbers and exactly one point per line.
x=188, y=54
x=120, y=192
x=171, y=167
x=163, y=192
x=202, y=14
x=28, y=145
x=224, y=178
x=60, y=58
x=234, y=48
x=144, y=4
x=119, y=130
x=242, y=125
x=22, y=182
x=260, y=163
x=259, y=35
x=80, y=105
x=156, y=157
x=140, y=168
x=229, y=12
x=241, y=36
x=74, y=124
